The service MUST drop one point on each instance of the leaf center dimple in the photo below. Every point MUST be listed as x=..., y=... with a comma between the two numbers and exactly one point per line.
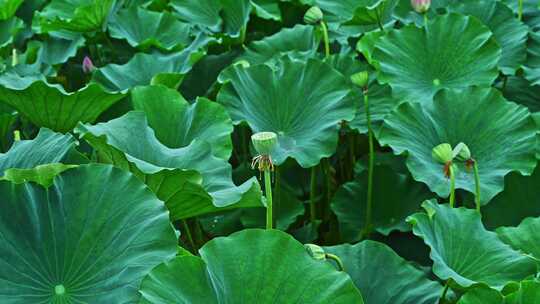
x=436, y=82
x=59, y=290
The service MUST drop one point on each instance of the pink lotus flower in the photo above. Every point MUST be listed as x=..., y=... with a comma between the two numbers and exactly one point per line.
x=421, y=6
x=88, y=65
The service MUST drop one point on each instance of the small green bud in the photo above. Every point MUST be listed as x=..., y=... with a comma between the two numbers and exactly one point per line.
x=264, y=142
x=461, y=152
x=242, y=63
x=315, y=251
x=313, y=15
x=360, y=79
x=442, y=153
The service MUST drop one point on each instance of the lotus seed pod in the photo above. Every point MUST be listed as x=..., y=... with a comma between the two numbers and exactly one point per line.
x=421, y=6
x=315, y=251
x=461, y=152
x=264, y=142
x=442, y=153
x=242, y=63
x=313, y=15
x=360, y=79
x=88, y=65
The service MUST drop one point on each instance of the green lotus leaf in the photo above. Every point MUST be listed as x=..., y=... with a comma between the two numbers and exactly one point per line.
x=469, y=255
x=520, y=90
x=381, y=103
x=8, y=116
x=532, y=67
x=501, y=140
x=8, y=8
x=267, y=9
x=509, y=32
x=456, y=52
x=144, y=29
x=190, y=180
x=519, y=200
x=302, y=102
x=383, y=277
x=368, y=12
x=528, y=292
x=74, y=15
x=50, y=106
x=176, y=123
x=299, y=42
x=523, y=237
x=47, y=147
x=57, y=50
x=482, y=295
x=42, y=174
x=89, y=238
x=8, y=29
x=390, y=208
x=366, y=45
x=144, y=69
x=531, y=14
x=216, y=15
x=242, y=264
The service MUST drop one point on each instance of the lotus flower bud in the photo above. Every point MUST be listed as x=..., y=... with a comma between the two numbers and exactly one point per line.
x=461, y=152
x=88, y=65
x=442, y=153
x=360, y=79
x=315, y=251
x=421, y=6
x=313, y=15
x=264, y=142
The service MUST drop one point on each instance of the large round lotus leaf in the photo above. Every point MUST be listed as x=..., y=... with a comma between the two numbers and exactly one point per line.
x=50, y=106
x=47, y=147
x=524, y=237
x=229, y=16
x=501, y=140
x=390, y=208
x=302, y=102
x=189, y=179
x=528, y=292
x=299, y=42
x=255, y=266
x=89, y=238
x=510, y=33
x=267, y=9
x=383, y=277
x=8, y=8
x=57, y=50
x=531, y=13
x=74, y=15
x=144, y=29
x=167, y=113
x=455, y=52
x=8, y=29
x=482, y=295
x=144, y=69
x=464, y=252
x=520, y=90
x=532, y=67
x=519, y=200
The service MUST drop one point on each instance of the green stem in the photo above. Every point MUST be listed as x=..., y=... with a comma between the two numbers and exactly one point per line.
x=326, y=40
x=505, y=80
x=188, y=235
x=312, y=192
x=442, y=299
x=268, y=189
x=477, y=186
x=379, y=21
x=369, y=205
x=425, y=20
x=277, y=188
x=336, y=259
x=452, y=186
x=520, y=9
x=328, y=179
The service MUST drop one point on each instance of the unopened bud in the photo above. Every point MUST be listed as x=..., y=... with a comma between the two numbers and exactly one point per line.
x=315, y=251
x=313, y=15
x=88, y=65
x=421, y=6
x=360, y=79
x=264, y=142
x=461, y=152
x=442, y=153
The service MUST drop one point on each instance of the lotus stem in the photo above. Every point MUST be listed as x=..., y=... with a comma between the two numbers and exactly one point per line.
x=371, y=162
x=425, y=20
x=326, y=169
x=188, y=235
x=326, y=40
x=268, y=190
x=442, y=299
x=477, y=186
x=379, y=23
x=312, y=192
x=452, y=185
x=277, y=188
x=336, y=259
x=520, y=9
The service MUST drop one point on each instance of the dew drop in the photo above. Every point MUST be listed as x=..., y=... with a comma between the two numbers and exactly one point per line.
x=59, y=289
